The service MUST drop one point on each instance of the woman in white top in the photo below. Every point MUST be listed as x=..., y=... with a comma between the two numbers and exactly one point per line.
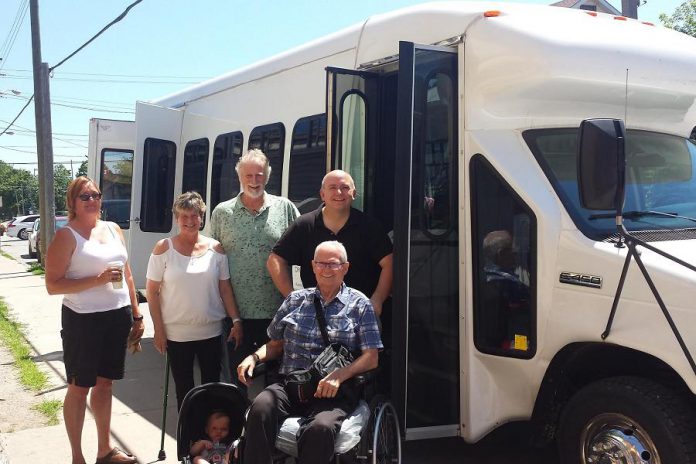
x=86, y=261
x=189, y=294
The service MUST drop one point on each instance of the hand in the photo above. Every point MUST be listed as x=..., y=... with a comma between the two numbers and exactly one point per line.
x=245, y=370
x=134, y=336
x=110, y=274
x=207, y=443
x=329, y=385
x=236, y=335
x=160, y=341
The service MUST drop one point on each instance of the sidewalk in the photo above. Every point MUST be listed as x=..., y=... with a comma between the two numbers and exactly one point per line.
x=137, y=406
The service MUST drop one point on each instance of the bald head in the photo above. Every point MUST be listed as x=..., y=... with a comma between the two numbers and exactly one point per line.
x=335, y=175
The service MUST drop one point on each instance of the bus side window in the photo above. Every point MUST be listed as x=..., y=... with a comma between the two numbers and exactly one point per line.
x=116, y=181
x=271, y=140
x=196, y=168
x=307, y=162
x=504, y=254
x=159, y=163
x=224, y=182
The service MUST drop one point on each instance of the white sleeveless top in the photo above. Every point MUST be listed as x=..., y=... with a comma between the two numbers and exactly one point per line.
x=190, y=294
x=89, y=259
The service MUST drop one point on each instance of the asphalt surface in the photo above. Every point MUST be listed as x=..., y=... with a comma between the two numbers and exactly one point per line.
x=506, y=445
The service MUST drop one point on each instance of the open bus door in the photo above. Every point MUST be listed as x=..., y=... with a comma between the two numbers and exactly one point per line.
x=412, y=190
x=158, y=136
x=426, y=324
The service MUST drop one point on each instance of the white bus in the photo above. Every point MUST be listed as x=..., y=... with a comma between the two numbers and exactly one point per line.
x=459, y=123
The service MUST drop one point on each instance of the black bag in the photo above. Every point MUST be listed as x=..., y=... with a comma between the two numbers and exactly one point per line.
x=301, y=384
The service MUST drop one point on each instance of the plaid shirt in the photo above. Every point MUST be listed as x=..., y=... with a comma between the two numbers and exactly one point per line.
x=350, y=319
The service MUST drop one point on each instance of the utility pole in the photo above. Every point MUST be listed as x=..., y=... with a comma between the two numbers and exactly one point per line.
x=44, y=142
x=629, y=8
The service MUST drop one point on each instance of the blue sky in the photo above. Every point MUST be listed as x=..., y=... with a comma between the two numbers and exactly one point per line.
x=160, y=47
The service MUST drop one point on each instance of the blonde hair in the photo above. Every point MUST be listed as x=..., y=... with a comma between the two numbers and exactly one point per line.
x=74, y=189
x=189, y=201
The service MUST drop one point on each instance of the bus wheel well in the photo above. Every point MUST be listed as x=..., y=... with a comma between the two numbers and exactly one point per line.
x=579, y=364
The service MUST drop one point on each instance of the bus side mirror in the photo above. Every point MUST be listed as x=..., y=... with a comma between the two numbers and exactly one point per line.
x=602, y=164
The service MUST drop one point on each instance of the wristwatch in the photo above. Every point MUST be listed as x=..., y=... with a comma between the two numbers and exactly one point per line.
x=236, y=319
x=138, y=318
x=256, y=357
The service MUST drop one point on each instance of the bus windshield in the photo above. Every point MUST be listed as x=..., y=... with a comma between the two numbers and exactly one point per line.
x=660, y=180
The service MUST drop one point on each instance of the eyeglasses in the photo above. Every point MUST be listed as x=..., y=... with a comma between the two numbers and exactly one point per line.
x=90, y=196
x=332, y=266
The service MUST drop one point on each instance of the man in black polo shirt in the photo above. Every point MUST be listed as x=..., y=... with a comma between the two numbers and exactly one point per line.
x=368, y=246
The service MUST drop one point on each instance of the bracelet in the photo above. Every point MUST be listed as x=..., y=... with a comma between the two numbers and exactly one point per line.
x=138, y=318
x=236, y=319
x=256, y=357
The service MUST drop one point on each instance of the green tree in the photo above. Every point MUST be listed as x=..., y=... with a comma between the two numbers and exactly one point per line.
x=83, y=169
x=61, y=179
x=19, y=191
x=683, y=19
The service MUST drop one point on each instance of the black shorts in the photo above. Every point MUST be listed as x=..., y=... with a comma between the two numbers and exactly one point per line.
x=94, y=344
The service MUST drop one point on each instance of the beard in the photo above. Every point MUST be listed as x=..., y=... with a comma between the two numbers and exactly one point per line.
x=255, y=194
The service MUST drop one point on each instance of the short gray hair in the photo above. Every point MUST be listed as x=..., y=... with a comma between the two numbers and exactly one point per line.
x=255, y=155
x=189, y=201
x=336, y=245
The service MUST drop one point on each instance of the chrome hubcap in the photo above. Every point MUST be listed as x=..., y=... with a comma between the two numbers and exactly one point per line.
x=617, y=439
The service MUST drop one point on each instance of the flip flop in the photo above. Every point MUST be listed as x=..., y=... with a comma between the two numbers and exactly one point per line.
x=110, y=457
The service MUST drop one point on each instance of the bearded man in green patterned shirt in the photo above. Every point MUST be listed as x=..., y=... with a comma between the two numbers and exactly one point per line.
x=248, y=226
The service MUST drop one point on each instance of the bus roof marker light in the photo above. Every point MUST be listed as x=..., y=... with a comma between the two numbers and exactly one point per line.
x=620, y=18
x=647, y=23
x=592, y=13
x=491, y=14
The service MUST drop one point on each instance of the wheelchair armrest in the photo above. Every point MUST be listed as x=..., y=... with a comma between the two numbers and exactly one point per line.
x=366, y=377
x=260, y=370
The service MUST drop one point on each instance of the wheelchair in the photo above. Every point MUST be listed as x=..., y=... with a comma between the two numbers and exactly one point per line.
x=369, y=435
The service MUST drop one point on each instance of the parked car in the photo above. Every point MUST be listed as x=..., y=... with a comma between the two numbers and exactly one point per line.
x=21, y=226
x=34, y=243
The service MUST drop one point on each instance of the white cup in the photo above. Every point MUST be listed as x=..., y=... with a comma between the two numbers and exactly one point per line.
x=119, y=283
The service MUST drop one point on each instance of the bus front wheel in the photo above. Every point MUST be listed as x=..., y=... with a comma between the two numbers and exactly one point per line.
x=627, y=420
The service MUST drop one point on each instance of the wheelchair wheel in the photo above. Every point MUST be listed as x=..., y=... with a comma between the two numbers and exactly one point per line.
x=381, y=441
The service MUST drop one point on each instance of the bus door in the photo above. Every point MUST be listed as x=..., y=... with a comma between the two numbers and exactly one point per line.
x=425, y=364
x=158, y=136
x=352, y=109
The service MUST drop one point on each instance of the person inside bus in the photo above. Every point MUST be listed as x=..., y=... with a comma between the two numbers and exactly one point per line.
x=189, y=294
x=87, y=262
x=248, y=226
x=296, y=338
x=506, y=294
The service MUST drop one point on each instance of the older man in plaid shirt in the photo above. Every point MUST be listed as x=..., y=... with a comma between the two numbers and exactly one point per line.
x=295, y=335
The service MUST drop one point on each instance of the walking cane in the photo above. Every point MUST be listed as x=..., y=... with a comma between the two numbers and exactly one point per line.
x=162, y=455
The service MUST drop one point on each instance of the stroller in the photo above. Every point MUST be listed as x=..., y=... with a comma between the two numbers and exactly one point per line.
x=196, y=407
x=369, y=435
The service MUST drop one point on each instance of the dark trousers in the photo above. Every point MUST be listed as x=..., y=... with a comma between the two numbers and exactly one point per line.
x=255, y=336
x=316, y=437
x=181, y=356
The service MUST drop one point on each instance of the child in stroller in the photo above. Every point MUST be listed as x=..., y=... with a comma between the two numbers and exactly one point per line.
x=214, y=447
x=207, y=410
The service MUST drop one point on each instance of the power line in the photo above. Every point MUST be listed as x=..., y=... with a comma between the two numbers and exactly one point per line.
x=14, y=31
x=118, y=75
x=56, y=102
x=118, y=18
x=109, y=81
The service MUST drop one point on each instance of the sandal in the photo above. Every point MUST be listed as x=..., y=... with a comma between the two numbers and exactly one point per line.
x=112, y=457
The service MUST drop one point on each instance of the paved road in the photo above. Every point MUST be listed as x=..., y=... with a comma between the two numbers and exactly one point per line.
x=507, y=445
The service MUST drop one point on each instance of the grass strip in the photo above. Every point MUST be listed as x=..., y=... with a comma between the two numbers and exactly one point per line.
x=6, y=255
x=36, y=269
x=50, y=409
x=29, y=374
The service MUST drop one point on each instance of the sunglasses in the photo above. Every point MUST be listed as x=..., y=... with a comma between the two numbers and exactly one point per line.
x=90, y=196
x=332, y=266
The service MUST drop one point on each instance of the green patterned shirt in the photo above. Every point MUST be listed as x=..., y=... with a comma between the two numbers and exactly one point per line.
x=248, y=240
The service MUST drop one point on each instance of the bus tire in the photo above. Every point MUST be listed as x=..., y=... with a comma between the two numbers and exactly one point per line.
x=641, y=420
